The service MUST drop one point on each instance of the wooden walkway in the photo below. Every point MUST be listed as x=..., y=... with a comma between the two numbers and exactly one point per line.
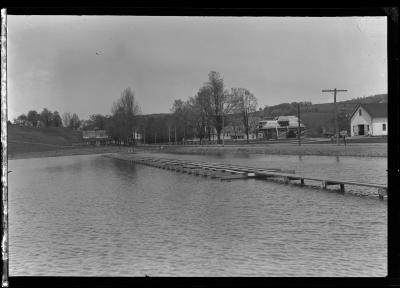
x=232, y=172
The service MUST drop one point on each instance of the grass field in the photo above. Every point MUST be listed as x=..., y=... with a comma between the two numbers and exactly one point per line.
x=26, y=142
x=27, y=139
x=68, y=152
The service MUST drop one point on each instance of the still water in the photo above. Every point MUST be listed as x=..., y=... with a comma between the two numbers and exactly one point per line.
x=95, y=216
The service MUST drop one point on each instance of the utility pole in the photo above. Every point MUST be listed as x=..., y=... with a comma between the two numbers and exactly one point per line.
x=223, y=126
x=298, y=122
x=169, y=134
x=334, y=102
x=175, y=136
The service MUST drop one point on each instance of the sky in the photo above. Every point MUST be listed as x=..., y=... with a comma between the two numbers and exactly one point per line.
x=81, y=64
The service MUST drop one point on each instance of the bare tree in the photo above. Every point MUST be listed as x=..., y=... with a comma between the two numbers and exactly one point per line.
x=66, y=119
x=56, y=120
x=218, y=98
x=33, y=117
x=245, y=103
x=182, y=113
x=46, y=117
x=236, y=125
x=124, y=112
x=21, y=119
x=253, y=123
x=75, y=122
x=202, y=104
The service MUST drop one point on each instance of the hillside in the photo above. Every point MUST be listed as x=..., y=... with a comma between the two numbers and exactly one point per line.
x=28, y=139
x=320, y=117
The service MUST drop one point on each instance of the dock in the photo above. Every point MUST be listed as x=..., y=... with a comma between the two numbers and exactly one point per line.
x=229, y=172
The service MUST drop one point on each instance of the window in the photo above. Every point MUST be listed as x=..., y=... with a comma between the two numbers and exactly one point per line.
x=359, y=112
x=384, y=127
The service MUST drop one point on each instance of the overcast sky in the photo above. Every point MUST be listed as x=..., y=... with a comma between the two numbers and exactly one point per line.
x=82, y=64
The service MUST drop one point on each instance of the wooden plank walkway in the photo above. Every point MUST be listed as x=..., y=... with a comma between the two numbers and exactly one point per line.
x=228, y=172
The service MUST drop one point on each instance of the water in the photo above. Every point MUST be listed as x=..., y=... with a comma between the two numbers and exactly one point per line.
x=358, y=169
x=94, y=216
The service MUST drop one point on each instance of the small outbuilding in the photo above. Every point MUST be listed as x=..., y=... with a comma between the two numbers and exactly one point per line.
x=281, y=127
x=95, y=137
x=369, y=119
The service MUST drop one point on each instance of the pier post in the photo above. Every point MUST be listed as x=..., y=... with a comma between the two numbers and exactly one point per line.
x=341, y=188
x=286, y=180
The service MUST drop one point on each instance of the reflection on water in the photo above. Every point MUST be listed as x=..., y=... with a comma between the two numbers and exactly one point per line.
x=90, y=215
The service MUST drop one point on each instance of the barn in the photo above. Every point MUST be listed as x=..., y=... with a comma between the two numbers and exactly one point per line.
x=369, y=119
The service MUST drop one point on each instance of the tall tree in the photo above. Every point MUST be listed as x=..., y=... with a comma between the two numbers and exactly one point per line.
x=253, y=123
x=66, y=119
x=245, y=104
x=33, y=117
x=236, y=125
x=56, y=119
x=203, y=110
x=75, y=122
x=96, y=121
x=124, y=112
x=215, y=87
x=46, y=117
x=21, y=119
x=177, y=114
x=182, y=113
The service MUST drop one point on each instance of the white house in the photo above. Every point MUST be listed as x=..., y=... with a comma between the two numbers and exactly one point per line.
x=280, y=128
x=369, y=119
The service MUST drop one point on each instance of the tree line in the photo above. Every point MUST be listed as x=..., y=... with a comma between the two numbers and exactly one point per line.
x=47, y=118
x=201, y=116
x=212, y=109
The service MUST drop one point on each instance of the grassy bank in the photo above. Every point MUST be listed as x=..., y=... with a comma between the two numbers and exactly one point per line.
x=357, y=150
x=27, y=142
x=352, y=149
x=23, y=139
x=67, y=152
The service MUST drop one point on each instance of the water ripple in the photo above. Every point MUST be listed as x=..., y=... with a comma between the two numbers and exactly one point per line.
x=91, y=216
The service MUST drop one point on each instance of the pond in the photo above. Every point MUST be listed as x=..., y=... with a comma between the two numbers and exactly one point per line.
x=94, y=216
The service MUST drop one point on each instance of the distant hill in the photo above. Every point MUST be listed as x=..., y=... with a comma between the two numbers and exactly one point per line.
x=28, y=139
x=320, y=117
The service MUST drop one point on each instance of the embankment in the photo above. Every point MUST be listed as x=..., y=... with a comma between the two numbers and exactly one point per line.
x=353, y=149
x=26, y=142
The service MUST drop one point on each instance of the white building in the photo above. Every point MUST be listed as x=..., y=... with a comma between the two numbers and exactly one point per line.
x=95, y=137
x=369, y=119
x=280, y=128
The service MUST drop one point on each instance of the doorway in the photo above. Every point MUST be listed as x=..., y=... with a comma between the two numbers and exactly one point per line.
x=361, y=130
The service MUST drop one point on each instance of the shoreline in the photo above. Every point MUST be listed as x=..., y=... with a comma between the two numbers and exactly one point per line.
x=66, y=152
x=351, y=150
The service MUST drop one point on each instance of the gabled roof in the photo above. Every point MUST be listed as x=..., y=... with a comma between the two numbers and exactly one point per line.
x=375, y=110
